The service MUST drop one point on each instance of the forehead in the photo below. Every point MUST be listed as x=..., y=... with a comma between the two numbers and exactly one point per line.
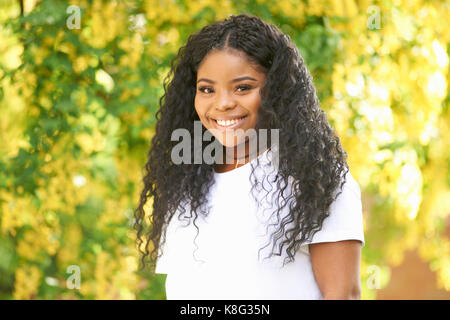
x=226, y=64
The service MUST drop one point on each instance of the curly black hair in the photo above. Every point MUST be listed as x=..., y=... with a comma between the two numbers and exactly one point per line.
x=310, y=151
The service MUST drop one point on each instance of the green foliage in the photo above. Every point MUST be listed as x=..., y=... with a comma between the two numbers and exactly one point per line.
x=78, y=108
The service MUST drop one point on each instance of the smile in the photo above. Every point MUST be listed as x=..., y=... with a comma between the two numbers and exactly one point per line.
x=229, y=123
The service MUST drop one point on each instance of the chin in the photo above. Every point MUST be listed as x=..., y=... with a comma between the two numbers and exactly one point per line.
x=231, y=141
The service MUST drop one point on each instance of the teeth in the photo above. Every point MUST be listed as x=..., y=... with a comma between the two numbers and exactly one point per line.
x=227, y=123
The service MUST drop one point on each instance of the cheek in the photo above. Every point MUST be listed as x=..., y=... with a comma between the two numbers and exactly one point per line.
x=257, y=103
x=253, y=106
x=253, y=102
x=199, y=108
x=196, y=104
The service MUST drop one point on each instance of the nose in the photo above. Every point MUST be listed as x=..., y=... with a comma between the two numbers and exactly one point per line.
x=225, y=101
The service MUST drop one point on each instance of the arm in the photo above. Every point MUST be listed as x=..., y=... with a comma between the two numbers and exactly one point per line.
x=336, y=268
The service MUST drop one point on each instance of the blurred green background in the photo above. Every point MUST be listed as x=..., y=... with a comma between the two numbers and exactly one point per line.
x=80, y=83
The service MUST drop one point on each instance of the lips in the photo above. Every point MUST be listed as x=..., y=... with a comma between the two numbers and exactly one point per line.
x=229, y=123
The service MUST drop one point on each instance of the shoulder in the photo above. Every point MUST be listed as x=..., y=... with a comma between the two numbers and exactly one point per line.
x=345, y=219
x=347, y=205
x=351, y=185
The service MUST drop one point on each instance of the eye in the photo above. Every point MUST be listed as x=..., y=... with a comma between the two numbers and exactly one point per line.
x=245, y=87
x=203, y=88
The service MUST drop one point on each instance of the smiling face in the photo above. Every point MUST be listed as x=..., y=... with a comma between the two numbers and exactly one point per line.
x=227, y=96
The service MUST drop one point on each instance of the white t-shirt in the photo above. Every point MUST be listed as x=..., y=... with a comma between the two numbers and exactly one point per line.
x=224, y=264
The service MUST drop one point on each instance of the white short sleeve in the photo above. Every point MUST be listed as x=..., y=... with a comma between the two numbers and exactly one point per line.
x=176, y=247
x=345, y=221
x=163, y=262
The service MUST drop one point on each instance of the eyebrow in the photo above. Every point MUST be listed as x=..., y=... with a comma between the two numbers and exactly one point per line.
x=234, y=80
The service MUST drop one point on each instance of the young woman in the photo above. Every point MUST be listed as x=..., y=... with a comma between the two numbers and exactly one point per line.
x=211, y=221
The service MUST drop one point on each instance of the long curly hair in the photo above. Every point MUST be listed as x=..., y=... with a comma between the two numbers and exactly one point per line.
x=309, y=149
